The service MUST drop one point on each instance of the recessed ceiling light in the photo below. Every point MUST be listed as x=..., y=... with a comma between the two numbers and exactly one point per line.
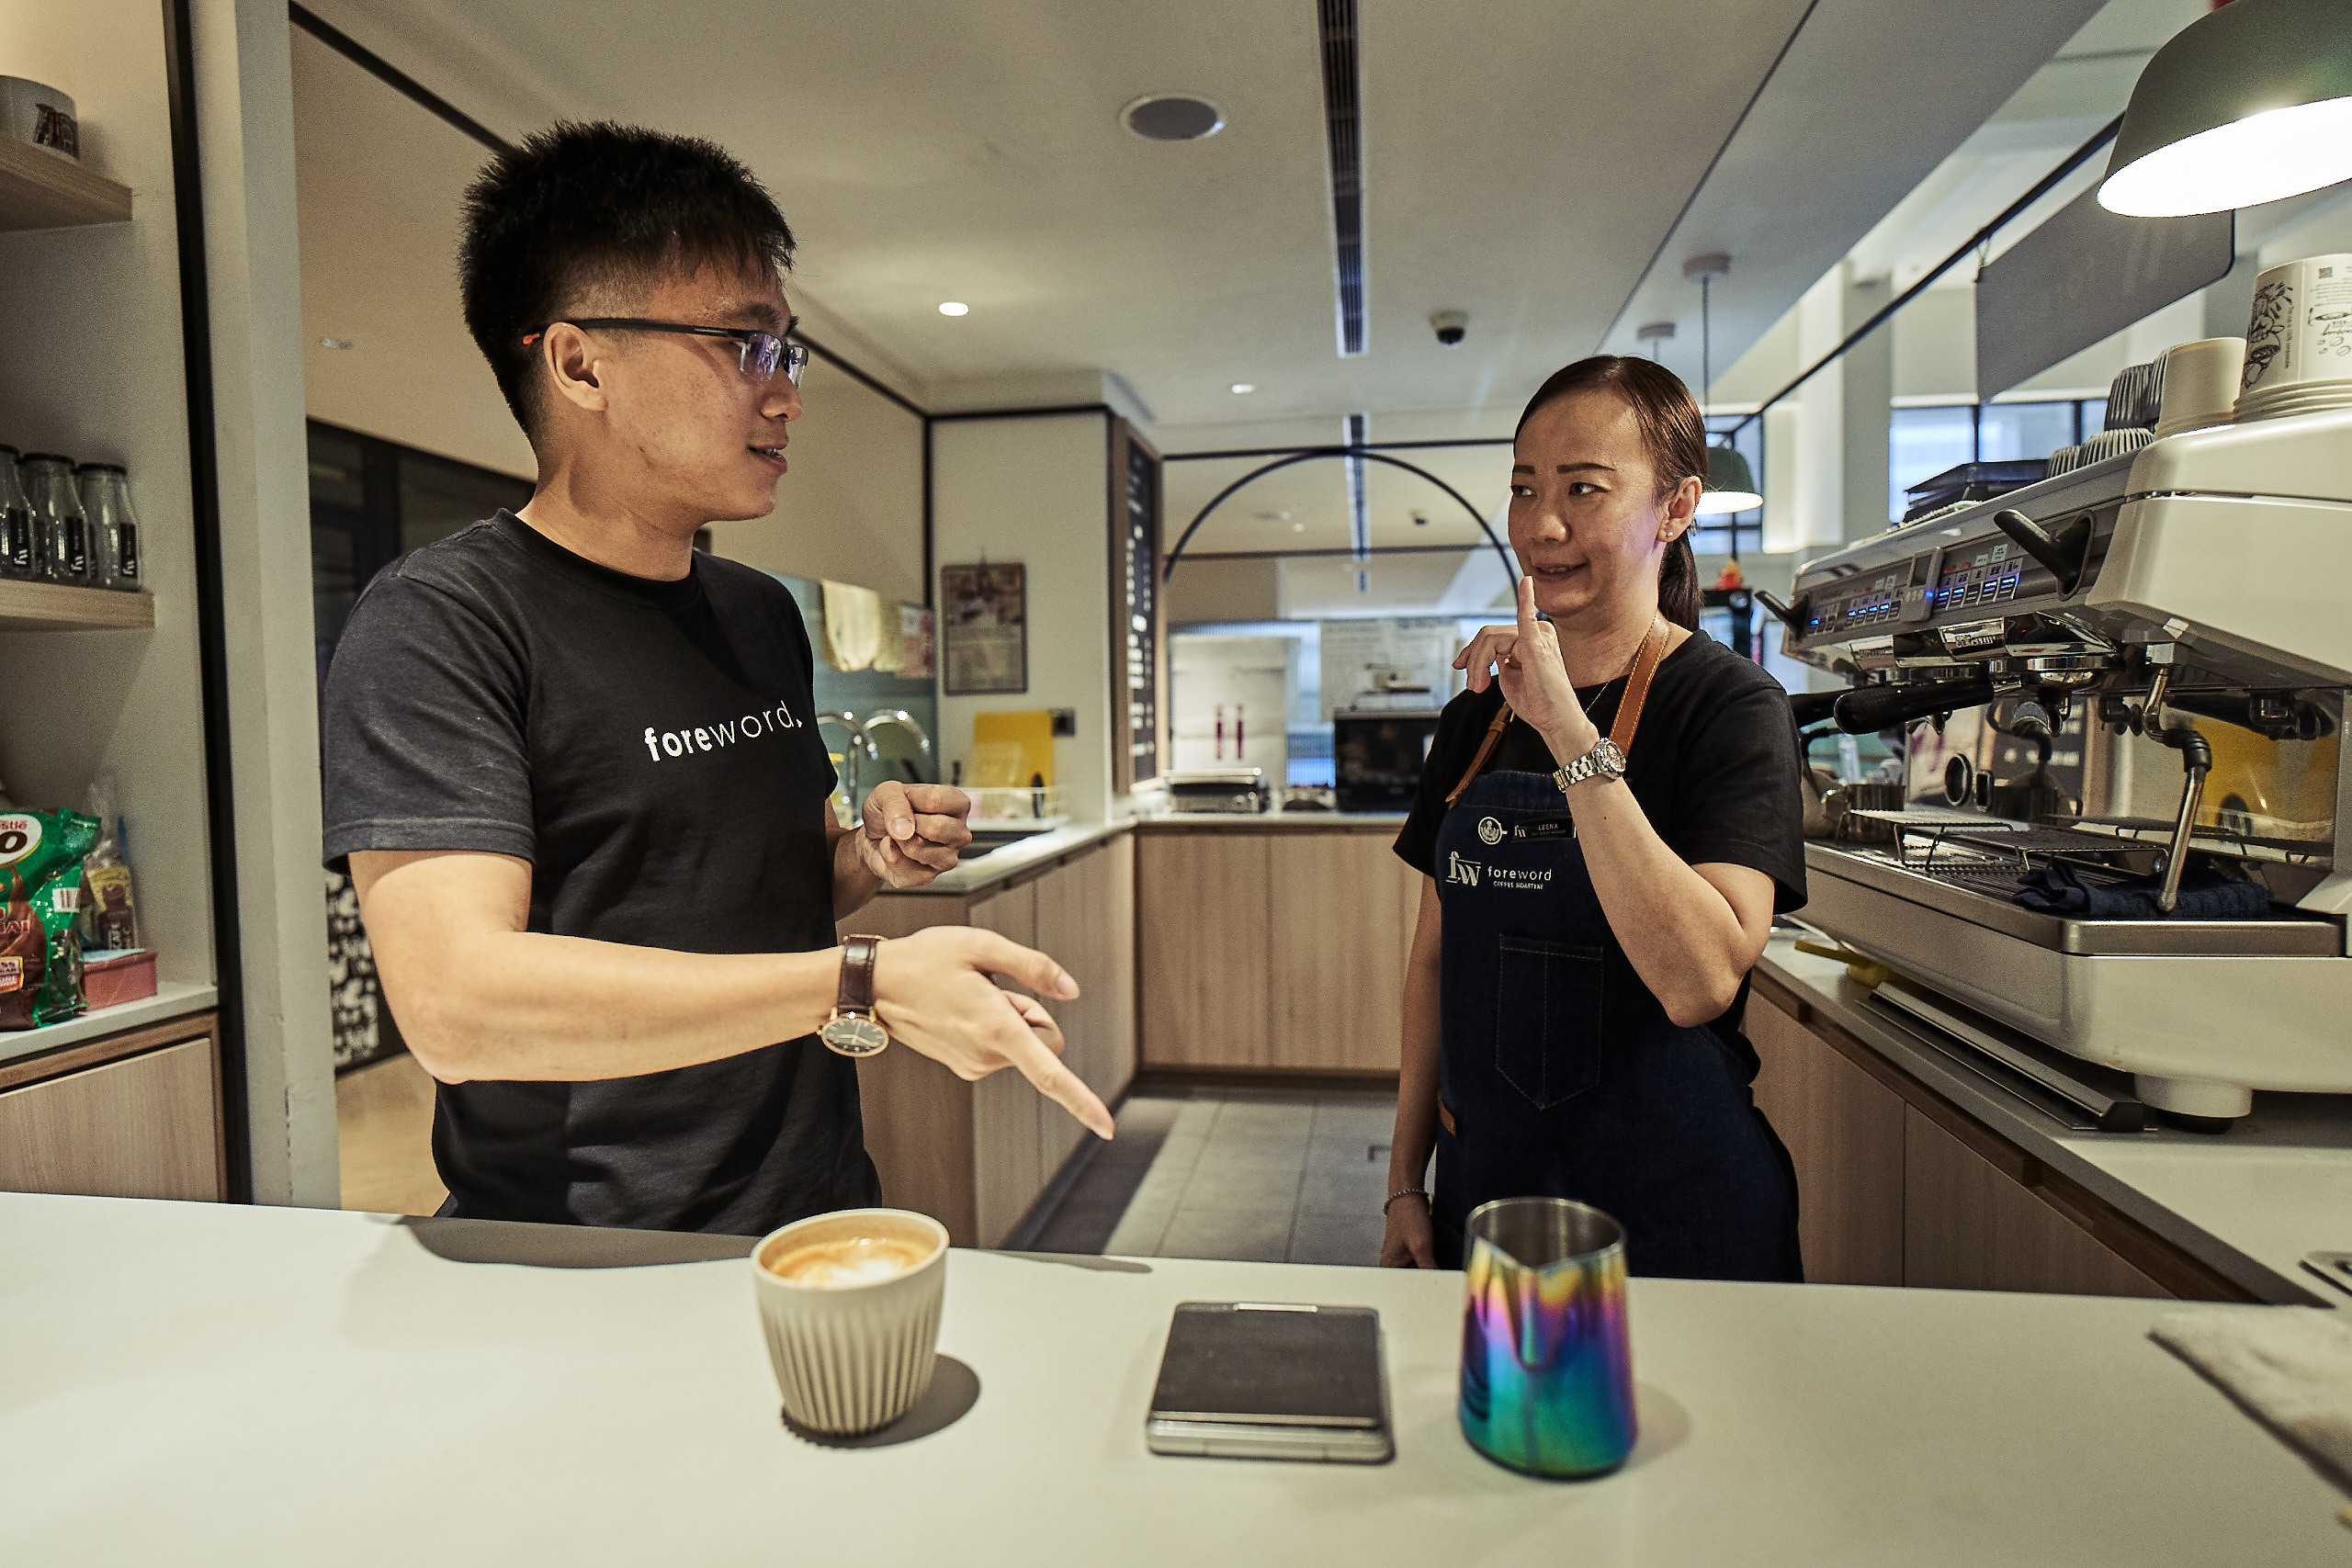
x=1173, y=117
x=334, y=342
x=1245, y=387
x=1298, y=528
x=953, y=308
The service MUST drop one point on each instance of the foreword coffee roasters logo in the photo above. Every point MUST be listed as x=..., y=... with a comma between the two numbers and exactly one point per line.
x=664, y=744
x=1473, y=874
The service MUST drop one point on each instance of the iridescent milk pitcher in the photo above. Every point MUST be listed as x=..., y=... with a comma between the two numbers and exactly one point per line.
x=1547, y=1374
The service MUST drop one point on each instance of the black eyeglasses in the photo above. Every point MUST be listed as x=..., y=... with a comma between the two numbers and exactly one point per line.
x=762, y=351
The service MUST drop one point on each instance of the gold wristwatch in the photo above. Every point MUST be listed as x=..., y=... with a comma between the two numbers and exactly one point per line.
x=853, y=1030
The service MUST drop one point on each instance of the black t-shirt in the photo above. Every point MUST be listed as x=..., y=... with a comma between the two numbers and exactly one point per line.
x=1714, y=767
x=650, y=748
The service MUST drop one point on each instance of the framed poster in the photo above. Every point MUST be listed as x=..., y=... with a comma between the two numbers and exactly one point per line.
x=984, y=628
x=1138, y=640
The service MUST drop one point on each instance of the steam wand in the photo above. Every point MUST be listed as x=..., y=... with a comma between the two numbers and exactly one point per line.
x=2196, y=761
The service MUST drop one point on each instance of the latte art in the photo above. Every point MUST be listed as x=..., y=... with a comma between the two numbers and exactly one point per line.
x=847, y=1263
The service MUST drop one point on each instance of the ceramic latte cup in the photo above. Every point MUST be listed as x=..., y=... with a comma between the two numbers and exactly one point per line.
x=850, y=1302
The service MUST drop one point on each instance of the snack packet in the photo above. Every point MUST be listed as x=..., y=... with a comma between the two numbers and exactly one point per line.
x=40, y=953
x=109, y=907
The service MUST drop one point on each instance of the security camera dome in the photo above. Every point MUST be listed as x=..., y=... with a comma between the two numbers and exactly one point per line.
x=1451, y=326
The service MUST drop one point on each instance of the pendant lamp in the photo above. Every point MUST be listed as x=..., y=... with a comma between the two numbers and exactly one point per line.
x=2250, y=104
x=1730, y=486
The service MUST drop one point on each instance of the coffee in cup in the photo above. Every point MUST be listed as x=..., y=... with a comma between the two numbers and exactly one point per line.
x=851, y=1302
x=844, y=1264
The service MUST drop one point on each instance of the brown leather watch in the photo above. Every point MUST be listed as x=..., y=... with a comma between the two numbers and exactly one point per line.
x=853, y=1030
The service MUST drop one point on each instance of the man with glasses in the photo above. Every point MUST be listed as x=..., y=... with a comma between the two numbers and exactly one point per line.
x=573, y=768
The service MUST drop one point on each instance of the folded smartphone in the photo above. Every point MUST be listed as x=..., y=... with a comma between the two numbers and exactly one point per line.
x=1272, y=1379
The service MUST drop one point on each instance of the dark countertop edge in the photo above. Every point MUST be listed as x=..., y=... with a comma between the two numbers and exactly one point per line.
x=2026, y=1127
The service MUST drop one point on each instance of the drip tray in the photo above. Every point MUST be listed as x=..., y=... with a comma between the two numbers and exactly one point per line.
x=1849, y=888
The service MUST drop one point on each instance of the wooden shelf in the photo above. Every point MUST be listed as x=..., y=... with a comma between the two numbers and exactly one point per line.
x=54, y=608
x=39, y=189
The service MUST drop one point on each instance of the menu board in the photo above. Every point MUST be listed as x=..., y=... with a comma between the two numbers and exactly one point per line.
x=1138, y=642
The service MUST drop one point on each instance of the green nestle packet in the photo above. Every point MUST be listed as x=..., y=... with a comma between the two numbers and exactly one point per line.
x=40, y=949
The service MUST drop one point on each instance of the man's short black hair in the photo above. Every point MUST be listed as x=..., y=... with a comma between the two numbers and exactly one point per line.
x=579, y=209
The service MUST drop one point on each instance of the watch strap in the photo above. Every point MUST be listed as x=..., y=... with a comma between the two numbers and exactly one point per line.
x=856, y=993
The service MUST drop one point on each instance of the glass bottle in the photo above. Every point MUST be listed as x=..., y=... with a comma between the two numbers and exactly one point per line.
x=113, y=527
x=16, y=519
x=60, y=533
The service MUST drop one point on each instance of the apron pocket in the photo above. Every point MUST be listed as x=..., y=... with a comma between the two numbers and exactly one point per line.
x=1547, y=1018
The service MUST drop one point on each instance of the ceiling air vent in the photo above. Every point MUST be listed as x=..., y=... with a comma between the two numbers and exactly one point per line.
x=1173, y=117
x=1344, y=139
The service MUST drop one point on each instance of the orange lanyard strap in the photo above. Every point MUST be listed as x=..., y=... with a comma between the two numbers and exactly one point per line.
x=1629, y=708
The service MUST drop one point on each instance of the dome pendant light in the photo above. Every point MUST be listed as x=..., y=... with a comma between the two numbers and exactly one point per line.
x=1731, y=486
x=2250, y=104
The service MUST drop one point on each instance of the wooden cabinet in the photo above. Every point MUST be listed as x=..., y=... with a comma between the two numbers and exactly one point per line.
x=1895, y=1186
x=977, y=1156
x=1273, y=950
x=1968, y=1224
x=1204, y=909
x=1845, y=1134
x=143, y=1121
x=1007, y=1170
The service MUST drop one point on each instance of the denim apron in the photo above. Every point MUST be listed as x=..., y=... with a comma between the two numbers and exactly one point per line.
x=1560, y=1075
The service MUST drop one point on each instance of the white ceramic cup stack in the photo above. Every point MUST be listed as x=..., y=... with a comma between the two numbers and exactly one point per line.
x=2113, y=444
x=853, y=1358
x=2299, y=340
x=2201, y=384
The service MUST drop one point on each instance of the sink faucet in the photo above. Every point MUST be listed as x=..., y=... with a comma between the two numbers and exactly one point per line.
x=852, y=764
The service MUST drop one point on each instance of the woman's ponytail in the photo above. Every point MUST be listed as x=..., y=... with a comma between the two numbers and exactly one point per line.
x=1678, y=584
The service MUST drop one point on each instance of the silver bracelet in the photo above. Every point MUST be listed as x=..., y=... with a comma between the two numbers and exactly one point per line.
x=1404, y=1192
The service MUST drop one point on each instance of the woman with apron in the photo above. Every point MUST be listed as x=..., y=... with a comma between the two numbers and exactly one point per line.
x=1608, y=821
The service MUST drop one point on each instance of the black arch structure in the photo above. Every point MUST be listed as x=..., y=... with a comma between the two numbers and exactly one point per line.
x=1308, y=453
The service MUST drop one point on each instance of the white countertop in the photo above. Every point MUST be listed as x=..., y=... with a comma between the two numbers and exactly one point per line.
x=1010, y=860
x=2249, y=1202
x=171, y=1000
x=191, y=1384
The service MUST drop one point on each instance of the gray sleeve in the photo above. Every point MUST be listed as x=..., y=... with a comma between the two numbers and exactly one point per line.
x=421, y=738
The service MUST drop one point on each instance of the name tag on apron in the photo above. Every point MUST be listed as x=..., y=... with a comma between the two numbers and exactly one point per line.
x=1545, y=827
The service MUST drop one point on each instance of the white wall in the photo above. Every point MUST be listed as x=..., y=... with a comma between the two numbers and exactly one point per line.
x=1036, y=490
x=245, y=101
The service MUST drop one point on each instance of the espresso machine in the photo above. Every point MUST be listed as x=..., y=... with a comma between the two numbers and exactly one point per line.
x=2128, y=674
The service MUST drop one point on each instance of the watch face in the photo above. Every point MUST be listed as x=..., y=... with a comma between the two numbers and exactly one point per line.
x=853, y=1036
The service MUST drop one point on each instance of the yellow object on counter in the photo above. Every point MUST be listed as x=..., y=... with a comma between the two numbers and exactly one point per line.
x=1010, y=748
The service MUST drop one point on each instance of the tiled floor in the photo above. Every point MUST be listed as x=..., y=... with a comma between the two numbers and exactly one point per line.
x=1251, y=1175
x=1256, y=1177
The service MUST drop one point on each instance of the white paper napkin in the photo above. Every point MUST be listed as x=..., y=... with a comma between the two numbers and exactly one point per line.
x=2289, y=1367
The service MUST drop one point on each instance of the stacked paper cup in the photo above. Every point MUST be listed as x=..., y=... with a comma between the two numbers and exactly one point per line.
x=2299, y=340
x=2201, y=384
